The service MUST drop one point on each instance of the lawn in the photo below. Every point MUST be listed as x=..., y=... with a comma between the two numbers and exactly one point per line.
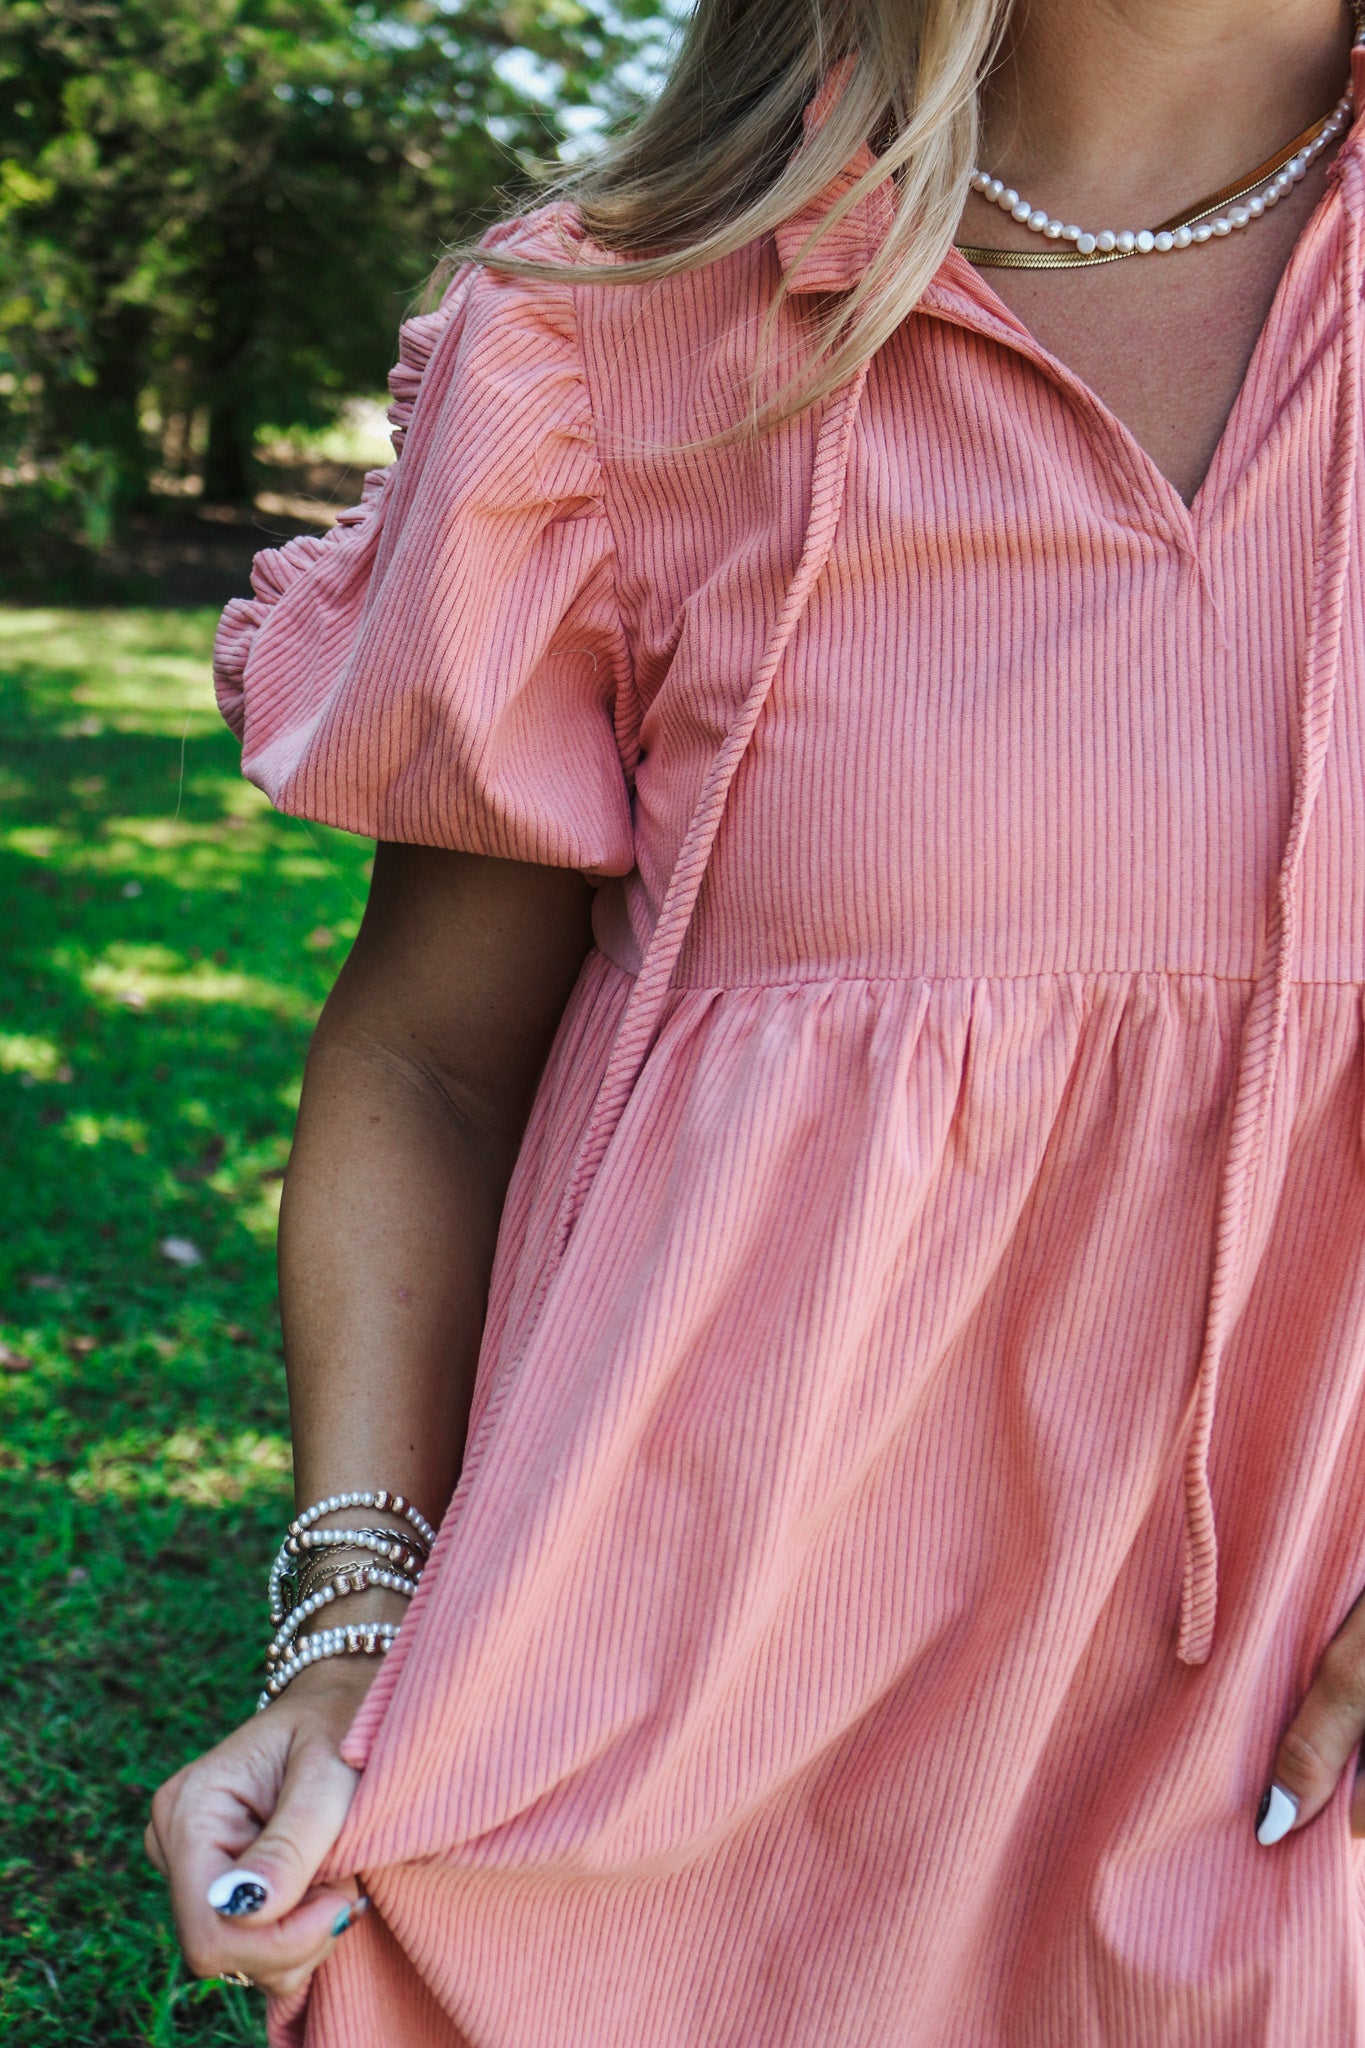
x=166, y=943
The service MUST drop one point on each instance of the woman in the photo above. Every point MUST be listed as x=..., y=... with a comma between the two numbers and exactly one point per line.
x=900, y=1586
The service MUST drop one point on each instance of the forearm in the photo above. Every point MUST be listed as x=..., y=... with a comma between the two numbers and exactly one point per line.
x=387, y=1231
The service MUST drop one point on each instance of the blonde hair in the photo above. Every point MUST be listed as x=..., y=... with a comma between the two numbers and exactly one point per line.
x=714, y=163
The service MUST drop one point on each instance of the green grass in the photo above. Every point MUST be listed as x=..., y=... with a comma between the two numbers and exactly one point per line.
x=165, y=941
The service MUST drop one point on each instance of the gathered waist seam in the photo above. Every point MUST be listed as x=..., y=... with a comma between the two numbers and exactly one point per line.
x=911, y=977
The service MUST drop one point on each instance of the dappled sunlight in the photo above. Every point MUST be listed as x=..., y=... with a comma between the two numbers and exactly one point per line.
x=141, y=975
x=189, y=1465
x=169, y=940
x=81, y=1128
x=259, y=1213
x=39, y=842
x=37, y=1058
x=150, y=677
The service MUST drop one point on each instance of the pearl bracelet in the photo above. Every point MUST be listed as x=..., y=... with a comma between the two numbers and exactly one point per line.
x=324, y=1566
x=358, y=1580
x=366, y=1639
x=396, y=1550
x=387, y=1503
x=365, y=1497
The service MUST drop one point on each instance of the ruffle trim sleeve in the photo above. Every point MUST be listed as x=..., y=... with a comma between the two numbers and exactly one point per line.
x=444, y=666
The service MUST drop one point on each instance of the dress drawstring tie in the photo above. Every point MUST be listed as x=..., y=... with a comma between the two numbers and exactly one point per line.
x=648, y=996
x=1263, y=1032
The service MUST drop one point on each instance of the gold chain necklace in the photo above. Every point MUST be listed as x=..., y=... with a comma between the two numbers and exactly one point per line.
x=1221, y=214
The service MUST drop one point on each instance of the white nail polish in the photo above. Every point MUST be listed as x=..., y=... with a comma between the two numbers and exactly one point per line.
x=1277, y=1816
x=237, y=1893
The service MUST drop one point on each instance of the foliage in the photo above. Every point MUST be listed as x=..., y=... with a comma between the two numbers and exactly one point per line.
x=213, y=213
x=166, y=942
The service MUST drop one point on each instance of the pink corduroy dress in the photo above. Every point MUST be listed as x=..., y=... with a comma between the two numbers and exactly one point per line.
x=918, y=1454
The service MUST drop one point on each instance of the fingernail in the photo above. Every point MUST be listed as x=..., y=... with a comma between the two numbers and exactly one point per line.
x=348, y=1915
x=1275, y=1816
x=237, y=1893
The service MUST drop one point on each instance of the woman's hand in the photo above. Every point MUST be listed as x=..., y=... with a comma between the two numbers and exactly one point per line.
x=266, y=1804
x=1322, y=1740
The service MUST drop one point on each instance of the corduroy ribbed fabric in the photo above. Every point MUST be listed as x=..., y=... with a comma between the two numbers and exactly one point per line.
x=800, y=1665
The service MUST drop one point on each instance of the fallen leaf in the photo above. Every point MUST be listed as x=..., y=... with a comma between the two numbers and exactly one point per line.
x=320, y=939
x=235, y=1334
x=131, y=889
x=14, y=1361
x=46, y=1283
x=65, y=1074
x=133, y=999
x=82, y=1346
x=181, y=1251
x=77, y=1576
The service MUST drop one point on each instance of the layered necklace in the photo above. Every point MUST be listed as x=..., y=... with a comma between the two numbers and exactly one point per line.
x=1221, y=214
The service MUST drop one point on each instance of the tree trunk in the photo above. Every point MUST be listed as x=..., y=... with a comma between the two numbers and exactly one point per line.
x=227, y=459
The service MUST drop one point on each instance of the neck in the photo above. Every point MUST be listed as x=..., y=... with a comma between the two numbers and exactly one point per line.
x=1153, y=94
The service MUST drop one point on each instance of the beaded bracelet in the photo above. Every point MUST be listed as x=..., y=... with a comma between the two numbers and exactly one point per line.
x=358, y=1580
x=298, y=1545
x=396, y=1550
x=367, y=1639
x=387, y=1503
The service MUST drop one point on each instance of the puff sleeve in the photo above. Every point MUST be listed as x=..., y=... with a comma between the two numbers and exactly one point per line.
x=444, y=667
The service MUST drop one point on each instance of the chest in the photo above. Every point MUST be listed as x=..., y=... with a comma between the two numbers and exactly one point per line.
x=1039, y=712
x=1165, y=342
x=1038, y=715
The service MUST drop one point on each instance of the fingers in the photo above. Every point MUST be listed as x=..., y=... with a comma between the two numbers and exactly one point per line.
x=1322, y=1740
x=241, y=1835
x=267, y=1880
x=163, y=1806
x=280, y=1957
x=156, y=1855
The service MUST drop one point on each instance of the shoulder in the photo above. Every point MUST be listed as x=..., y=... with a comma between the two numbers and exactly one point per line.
x=609, y=361
x=662, y=358
x=484, y=304
x=489, y=388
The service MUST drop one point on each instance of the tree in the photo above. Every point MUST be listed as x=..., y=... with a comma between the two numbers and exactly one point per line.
x=224, y=207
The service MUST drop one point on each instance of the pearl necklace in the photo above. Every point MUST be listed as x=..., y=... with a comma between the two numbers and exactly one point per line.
x=1243, y=204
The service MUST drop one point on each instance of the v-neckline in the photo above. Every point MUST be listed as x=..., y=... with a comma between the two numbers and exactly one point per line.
x=963, y=295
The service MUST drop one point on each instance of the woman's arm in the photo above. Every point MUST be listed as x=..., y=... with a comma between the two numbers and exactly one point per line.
x=416, y=1093
x=415, y=1097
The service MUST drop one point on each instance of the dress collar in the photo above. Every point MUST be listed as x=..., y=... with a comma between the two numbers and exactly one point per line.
x=839, y=259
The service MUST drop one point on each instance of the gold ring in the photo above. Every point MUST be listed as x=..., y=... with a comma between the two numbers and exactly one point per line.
x=237, y=1977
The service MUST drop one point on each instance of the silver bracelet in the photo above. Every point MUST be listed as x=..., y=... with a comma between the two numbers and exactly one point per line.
x=401, y=1551
x=364, y=1639
x=358, y=1580
x=365, y=1497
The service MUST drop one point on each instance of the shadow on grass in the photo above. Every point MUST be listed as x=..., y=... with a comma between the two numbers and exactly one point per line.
x=167, y=941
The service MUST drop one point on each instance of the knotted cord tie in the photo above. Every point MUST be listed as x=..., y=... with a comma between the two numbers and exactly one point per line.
x=1261, y=1050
